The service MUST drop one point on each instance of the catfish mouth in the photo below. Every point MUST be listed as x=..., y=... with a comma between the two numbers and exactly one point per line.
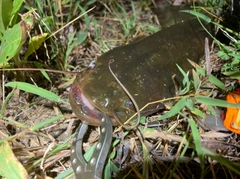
x=83, y=108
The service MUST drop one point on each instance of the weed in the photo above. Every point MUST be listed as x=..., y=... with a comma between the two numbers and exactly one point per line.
x=36, y=33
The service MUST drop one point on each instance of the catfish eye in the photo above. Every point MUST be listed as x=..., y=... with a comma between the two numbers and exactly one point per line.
x=128, y=104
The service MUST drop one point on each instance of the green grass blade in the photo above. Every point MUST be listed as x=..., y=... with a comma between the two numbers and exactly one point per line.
x=234, y=166
x=59, y=147
x=39, y=65
x=6, y=102
x=46, y=122
x=34, y=89
x=107, y=170
x=116, y=170
x=146, y=161
x=181, y=156
x=198, y=145
x=68, y=174
x=216, y=102
x=198, y=14
x=18, y=124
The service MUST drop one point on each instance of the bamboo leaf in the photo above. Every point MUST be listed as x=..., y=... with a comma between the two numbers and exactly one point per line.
x=216, y=82
x=175, y=109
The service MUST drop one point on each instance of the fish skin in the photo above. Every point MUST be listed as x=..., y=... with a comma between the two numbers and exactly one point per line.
x=145, y=68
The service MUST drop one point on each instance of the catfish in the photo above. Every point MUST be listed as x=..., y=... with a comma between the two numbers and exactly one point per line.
x=145, y=68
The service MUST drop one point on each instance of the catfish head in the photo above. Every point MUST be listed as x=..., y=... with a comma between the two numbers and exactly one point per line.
x=95, y=91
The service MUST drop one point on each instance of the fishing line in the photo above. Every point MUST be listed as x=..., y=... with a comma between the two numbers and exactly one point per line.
x=130, y=96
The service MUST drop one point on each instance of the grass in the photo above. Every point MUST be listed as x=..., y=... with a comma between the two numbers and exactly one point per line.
x=38, y=145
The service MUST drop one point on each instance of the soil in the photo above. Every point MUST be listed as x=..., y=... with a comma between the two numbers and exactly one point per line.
x=29, y=110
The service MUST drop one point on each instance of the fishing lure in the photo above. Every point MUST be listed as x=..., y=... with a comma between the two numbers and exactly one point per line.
x=232, y=116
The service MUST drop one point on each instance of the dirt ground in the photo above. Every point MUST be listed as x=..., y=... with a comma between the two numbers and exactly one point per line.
x=31, y=110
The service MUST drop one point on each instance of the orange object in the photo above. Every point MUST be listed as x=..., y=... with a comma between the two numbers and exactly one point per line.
x=232, y=119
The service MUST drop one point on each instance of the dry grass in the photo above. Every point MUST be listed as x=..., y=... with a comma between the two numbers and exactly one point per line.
x=44, y=150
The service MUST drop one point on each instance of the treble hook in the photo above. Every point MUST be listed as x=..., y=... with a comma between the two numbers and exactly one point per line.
x=130, y=96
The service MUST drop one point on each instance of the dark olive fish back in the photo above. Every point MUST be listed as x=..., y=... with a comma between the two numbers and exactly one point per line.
x=145, y=68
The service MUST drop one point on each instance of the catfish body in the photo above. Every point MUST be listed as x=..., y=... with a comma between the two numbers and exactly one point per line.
x=145, y=68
